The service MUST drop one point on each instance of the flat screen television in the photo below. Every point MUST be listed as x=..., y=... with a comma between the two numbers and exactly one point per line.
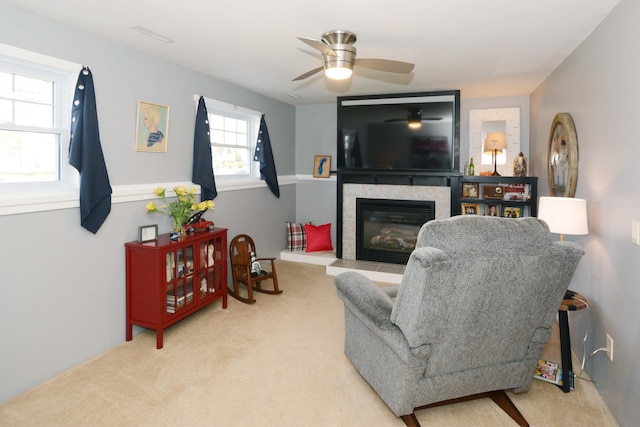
x=374, y=132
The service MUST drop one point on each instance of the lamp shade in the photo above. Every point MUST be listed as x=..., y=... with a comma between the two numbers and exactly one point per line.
x=564, y=215
x=495, y=141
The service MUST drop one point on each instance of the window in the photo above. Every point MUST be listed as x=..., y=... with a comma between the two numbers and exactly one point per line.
x=234, y=133
x=32, y=134
x=31, y=131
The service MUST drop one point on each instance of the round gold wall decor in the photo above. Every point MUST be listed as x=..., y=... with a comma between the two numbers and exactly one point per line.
x=562, y=156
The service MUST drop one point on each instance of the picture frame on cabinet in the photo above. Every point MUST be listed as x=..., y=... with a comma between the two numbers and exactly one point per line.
x=492, y=210
x=470, y=190
x=147, y=233
x=511, y=212
x=470, y=209
x=152, y=127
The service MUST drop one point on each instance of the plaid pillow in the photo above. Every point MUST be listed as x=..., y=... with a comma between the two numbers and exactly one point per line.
x=296, y=236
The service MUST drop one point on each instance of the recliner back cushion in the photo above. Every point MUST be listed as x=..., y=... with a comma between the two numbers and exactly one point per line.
x=470, y=233
x=484, y=296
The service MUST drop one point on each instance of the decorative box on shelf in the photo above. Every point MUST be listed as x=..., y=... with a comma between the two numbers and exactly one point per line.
x=490, y=191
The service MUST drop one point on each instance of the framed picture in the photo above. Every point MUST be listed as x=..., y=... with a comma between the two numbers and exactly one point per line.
x=492, y=210
x=470, y=189
x=321, y=166
x=470, y=209
x=509, y=212
x=152, y=127
x=147, y=233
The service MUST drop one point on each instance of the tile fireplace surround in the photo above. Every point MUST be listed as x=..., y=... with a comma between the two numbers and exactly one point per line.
x=441, y=195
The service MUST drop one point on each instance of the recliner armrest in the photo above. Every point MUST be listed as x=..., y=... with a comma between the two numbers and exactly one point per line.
x=373, y=305
x=366, y=296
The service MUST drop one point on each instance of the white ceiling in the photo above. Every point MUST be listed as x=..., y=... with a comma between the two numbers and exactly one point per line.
x=484, y=48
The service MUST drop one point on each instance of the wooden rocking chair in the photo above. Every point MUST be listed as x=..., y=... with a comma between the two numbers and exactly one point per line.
x=240, y=250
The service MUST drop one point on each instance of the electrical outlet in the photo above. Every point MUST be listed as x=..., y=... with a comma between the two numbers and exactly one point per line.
x=610, y=347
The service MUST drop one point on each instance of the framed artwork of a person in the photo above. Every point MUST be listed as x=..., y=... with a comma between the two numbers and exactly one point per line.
x=152, y=127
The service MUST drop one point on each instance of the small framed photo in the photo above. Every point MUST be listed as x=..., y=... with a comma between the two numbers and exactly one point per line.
x=470, y=189
x=510, y=212
x=152, y=127
x=321, y=166
x=470, y=209
x=147, y=233
x=492, y=210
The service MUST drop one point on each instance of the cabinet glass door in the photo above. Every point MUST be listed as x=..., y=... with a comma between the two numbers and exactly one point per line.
x=179, y=279
x=211, y=266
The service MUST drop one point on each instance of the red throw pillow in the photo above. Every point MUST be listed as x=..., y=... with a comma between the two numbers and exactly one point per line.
x=318, y=237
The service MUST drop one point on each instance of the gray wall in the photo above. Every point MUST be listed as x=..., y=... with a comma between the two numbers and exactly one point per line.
x=316, y=133
x=63, y=288
x=599, y=85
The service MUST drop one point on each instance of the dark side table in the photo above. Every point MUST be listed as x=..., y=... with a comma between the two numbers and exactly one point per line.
x=578, y=302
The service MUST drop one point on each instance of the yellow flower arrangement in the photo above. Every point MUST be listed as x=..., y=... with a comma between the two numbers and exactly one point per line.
x=180, y=209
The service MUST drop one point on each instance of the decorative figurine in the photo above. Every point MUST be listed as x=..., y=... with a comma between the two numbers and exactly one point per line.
x=256, y=268
x=210, y=252
x=520, y=165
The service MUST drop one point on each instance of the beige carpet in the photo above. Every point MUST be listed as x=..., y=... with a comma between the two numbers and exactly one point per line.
x=278, y=362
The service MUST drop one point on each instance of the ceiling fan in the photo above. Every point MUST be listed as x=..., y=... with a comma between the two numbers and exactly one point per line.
x=339, y=56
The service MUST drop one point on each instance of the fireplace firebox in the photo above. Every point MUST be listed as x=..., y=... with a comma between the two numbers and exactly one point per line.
x=387, y=230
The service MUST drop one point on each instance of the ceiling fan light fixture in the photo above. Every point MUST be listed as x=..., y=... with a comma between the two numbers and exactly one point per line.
x=339, y=67
x=338, y=73
x=339, y=56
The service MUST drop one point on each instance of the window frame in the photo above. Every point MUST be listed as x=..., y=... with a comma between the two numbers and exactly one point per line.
x=215, y=106
x=31, y=64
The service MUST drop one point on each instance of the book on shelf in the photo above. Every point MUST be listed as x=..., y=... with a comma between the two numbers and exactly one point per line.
x=550, y=372
x=172, y=304
x=179, y=297
x=179, y=300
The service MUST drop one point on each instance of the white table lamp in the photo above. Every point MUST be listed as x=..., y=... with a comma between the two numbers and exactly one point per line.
x=564, y=215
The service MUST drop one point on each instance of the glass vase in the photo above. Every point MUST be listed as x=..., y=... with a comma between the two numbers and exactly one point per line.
x=179, y=231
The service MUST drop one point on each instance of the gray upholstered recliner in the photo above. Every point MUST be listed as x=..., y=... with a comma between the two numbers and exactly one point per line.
x=470, y=319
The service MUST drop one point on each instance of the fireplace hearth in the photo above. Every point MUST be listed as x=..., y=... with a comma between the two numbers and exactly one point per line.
x=387, y=186
x=387, y=230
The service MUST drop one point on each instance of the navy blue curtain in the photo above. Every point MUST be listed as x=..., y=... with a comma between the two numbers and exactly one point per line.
x=202, y=160
x=85, y=154
x=264, y=155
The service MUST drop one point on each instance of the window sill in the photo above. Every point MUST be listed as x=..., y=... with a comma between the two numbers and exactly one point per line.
x=13, y=204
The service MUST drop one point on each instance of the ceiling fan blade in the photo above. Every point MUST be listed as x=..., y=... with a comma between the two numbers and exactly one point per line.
x=318, y=45
x=388, y=65
x=308, y=73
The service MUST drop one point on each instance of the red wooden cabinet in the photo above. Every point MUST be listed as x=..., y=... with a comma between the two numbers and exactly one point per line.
x=167, y=281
